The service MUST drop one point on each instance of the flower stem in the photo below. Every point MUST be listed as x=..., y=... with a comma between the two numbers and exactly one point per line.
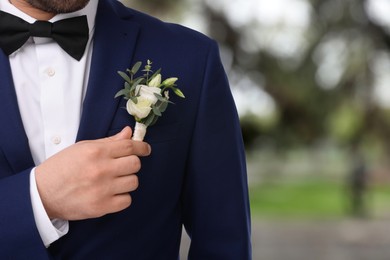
x=139, y=131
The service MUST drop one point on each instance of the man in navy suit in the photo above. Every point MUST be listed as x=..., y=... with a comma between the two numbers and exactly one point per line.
x=73, y=185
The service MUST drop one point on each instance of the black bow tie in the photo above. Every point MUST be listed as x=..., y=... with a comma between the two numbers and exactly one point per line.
x=70, y=34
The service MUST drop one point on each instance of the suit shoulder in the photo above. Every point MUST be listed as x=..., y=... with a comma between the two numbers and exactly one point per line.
x=154, y=27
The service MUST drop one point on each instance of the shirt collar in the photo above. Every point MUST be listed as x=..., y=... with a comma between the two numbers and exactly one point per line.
x=89, y=11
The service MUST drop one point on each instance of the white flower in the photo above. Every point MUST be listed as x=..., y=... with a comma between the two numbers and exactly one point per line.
x=149, y=93
x=141, y=109
x=142, y=98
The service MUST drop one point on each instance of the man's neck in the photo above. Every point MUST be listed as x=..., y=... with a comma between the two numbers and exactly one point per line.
x=32, y=11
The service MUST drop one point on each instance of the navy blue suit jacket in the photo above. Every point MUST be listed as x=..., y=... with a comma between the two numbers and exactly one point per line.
x=196, y=174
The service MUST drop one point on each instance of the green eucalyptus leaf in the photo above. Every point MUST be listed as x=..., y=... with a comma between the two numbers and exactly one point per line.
x=136, y=67
x=138, y=81
x=127, y=86
x=132, y=91
x=163, y=106
x=121, y=92
x=134, y=99
x=124, y=76
x=137, y=89
x=156, y=111
x=154, y=121
x=159, y=97
x=149, y=119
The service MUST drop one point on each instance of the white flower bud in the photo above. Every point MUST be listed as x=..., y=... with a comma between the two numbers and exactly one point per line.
x=169, y=81
x=156, y=81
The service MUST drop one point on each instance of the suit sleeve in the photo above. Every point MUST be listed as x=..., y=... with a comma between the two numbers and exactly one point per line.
x=215, y=198
x=19, y=237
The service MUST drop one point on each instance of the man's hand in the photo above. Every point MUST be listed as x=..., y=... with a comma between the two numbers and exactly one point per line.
x=91, y=178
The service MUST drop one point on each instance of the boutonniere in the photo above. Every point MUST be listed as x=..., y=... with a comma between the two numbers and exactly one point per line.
x=147, y=96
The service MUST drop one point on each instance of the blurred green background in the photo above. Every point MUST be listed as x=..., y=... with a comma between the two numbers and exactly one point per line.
x=312, y=85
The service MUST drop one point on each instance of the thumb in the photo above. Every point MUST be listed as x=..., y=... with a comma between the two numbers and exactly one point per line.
x=124, y=134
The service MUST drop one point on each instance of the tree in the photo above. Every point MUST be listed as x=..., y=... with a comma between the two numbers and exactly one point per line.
x=325, y=90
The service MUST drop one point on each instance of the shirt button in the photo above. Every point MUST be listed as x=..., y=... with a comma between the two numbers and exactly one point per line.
x=56, y=140
x=50, y=72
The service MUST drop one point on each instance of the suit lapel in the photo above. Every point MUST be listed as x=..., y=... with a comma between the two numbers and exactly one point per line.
x=13, y=141
x=114, y=42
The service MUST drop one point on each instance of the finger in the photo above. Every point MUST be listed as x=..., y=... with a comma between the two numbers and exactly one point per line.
x=141, y=148
x=120, y=202
x=125, y=184
x=128, y=165
x=122, y=148
x=122, y=135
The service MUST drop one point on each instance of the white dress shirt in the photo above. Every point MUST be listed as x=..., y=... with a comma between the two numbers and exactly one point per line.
x=50, y=87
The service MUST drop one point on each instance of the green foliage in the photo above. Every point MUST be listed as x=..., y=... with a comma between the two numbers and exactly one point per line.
x=150, y=83
x=346, y=122
x=307, y=199
x=298, y=200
